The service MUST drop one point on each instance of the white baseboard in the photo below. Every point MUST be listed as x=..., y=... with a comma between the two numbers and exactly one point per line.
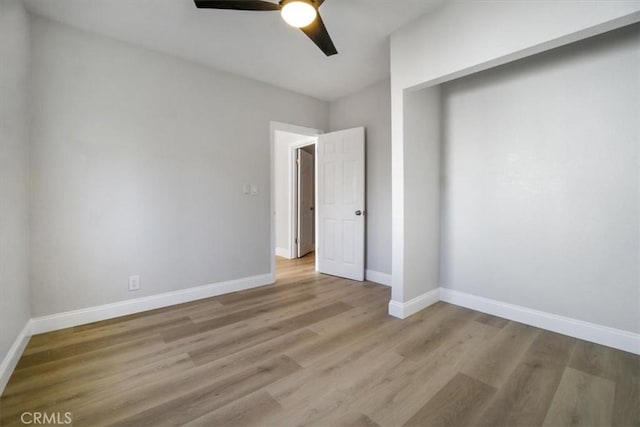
x=404, y=310
x=283, y=252
x=611, y=337
x=13, y=356
x=377, y=277
x=109, y=311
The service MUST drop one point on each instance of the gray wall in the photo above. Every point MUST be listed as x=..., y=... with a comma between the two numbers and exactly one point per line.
x=371, y=108
x=14, y=177
x=422, y=136
x=542, y=192
x=138, y=165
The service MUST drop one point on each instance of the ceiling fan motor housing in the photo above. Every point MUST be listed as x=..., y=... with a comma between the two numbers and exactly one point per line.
x=313, y=3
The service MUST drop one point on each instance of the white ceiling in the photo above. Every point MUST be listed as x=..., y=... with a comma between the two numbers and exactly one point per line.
x=258, y=45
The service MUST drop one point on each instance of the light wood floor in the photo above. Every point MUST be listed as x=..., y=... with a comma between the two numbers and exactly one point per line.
x=320, y=350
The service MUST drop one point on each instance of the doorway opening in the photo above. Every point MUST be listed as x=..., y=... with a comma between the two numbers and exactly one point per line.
x=318, y=200
x=294, y=194
x=304, y=216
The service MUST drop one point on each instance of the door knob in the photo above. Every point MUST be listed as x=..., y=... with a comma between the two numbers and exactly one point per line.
x=358, y=213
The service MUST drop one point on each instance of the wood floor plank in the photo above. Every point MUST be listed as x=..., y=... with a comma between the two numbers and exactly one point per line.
x=88, y=388
x=401, y=391
x=596, y=360
x=259, y=323
x=119, y=325
x=550, y=347
x=322, y=290
x=70, y=350
x=526, y=396
x=212, y=352
x=117, y=357
x=435, y=332
x=348, y=419
x=338, y=398
x=314, y=351
x=265, y=349
x=618, y=366
x=335, y=323
x=171, y=390
x=187, y=407
x=312, y=395
x=250, y=297
x=581, y=399
x=328, y=375
x=457, y=404
x=490, y=320
x=181, y=331
x=201, y=376
x=626, y=405
x=271, y=317
x=495, y=365
x=289, y=273
x=320, y=350
x=246, y=412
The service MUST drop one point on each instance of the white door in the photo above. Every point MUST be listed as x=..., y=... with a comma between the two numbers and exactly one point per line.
x=341, y=185
x=306, y=199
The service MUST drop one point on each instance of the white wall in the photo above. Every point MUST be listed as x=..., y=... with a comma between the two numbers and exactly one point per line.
x=138, y=166
x=282, y=186
x=433, y=50
x=14, y=184
x=371, y=108
x=542, y=172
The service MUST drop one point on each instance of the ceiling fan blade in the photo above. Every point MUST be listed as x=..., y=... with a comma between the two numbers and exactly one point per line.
x=319, y=3
x=317, y=32
x=237, y=5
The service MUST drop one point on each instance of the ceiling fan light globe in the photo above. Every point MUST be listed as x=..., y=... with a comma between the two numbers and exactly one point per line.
x=298, y=14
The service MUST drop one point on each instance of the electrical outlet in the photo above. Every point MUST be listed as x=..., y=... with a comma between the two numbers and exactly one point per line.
x=134, y=283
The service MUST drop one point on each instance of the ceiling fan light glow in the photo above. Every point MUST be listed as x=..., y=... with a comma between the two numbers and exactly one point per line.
x=298, y=14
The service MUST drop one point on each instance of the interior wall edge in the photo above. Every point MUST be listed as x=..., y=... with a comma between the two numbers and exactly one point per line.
x=284, y=253
x=15, y=57
x=378, y=277
x=83, y=316
x=11, y=359
x=599, y=334
x=402, y=310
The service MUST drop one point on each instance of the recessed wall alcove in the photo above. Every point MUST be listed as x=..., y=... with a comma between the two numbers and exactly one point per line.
x=506, y=180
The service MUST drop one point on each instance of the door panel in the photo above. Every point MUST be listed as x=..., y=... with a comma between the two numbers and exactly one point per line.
x=306, y=200
x=348, y=248
x=341, y=194
x=329, y=249
x=329, y=187
x=349, y=194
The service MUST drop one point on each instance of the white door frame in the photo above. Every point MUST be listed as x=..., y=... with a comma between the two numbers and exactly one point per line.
x=293, y=192
x=279, y=126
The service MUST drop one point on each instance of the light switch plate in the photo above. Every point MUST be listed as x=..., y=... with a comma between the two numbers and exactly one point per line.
x=254, y=189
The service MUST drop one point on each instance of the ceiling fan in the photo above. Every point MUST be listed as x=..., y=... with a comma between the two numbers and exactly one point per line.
x=301, y=14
